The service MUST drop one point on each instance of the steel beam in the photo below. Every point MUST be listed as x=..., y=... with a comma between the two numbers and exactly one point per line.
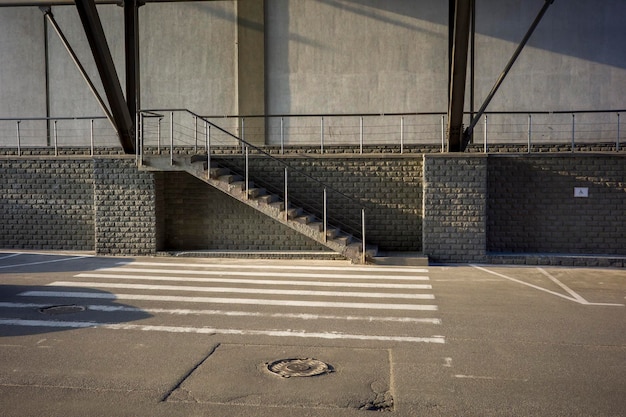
x=131, y=49
x=460, y=28
x=108, y=75
x=468, y=132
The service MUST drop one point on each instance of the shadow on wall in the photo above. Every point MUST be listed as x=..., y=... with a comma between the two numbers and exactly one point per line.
x=569, y=28
x=566, y=205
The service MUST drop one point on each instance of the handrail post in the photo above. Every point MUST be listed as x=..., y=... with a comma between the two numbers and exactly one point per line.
x=282, y=136
x=243, y=138
x=617, y=142
x=401, y=134
x=141, y=137
x=91, y=134
x=443, y=133
x=361, y=134
x=56, y=138
x=137, y=130
x=246, y=188
x=573, y=132
x=159, y=135
x=322, y=134
x=19, y=140
x=286, y=195
x=172, y=138
x=195, y=133
x=485, y=146
x=530, y=118
x=363, y=235
x=325, y=220
x=207, y=134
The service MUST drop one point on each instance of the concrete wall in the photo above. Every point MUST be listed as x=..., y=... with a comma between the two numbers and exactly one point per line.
x=321, y=56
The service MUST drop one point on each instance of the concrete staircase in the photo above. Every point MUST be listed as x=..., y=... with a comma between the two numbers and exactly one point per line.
x=271, y=205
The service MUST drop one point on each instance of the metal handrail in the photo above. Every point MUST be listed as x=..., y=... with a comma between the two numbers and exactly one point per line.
x=245, y=145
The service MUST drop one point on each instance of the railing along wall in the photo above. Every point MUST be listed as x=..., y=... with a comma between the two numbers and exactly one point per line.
x=180, y=131
x=54, y=134
x=394, y=132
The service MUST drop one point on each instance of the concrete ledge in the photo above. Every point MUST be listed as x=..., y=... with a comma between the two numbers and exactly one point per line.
x=313, y=255
x=552, y=259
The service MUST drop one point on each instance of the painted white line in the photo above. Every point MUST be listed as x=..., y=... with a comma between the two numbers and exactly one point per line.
x=243, y=301
x=491, y=378
x=259, y=281
x=575, y=298
x=580, y=299
x=190, y=312
x=44, y=262
x=232, y=290
x=266, y=274
x=10, y=256
x=560, y=284
x=284, y=267
x=214, y=331
x=525, y=283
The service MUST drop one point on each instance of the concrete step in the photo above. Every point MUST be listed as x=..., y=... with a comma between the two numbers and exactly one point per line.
x=230, y=178
x=305, y=218
x=401, y=259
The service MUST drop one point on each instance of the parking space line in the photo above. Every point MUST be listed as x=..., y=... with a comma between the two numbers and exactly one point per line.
x=574, y=296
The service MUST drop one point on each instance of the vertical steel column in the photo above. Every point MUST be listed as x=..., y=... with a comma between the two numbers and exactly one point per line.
x=458, y=72
x=131, y=51
x=92, y=26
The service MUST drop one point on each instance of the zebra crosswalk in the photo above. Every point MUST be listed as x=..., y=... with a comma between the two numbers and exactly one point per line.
x=278, y=299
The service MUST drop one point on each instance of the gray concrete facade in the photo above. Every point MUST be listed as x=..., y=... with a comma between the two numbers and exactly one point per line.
x=320, y=56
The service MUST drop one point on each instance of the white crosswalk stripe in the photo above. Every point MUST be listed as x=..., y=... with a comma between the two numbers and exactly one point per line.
x=393, y=304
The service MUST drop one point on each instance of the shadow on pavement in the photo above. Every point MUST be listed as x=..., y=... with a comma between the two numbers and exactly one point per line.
x=38, y=309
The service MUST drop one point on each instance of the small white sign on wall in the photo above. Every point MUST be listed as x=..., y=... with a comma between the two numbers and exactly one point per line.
x=581, y=192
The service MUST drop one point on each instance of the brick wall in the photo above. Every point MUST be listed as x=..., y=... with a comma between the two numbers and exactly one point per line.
x=103, y=205
x=195, y=216
x=389, y=188
x=532, y=208
x=47, y=204
x=470, y=207
x=455, y=188
x=125, y=205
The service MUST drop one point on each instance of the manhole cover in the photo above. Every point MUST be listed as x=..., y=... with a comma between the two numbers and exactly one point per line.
x=62, y=309
x=299, y=367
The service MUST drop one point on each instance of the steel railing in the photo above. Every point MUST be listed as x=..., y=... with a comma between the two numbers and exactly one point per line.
x=394, y=132
x=56, y=133
x=176, y=131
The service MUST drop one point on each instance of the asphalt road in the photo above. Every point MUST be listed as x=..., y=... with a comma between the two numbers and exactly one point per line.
x=91, y=336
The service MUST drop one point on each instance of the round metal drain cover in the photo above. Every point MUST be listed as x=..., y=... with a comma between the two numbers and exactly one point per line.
x=62, y=309
x=299, y=367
